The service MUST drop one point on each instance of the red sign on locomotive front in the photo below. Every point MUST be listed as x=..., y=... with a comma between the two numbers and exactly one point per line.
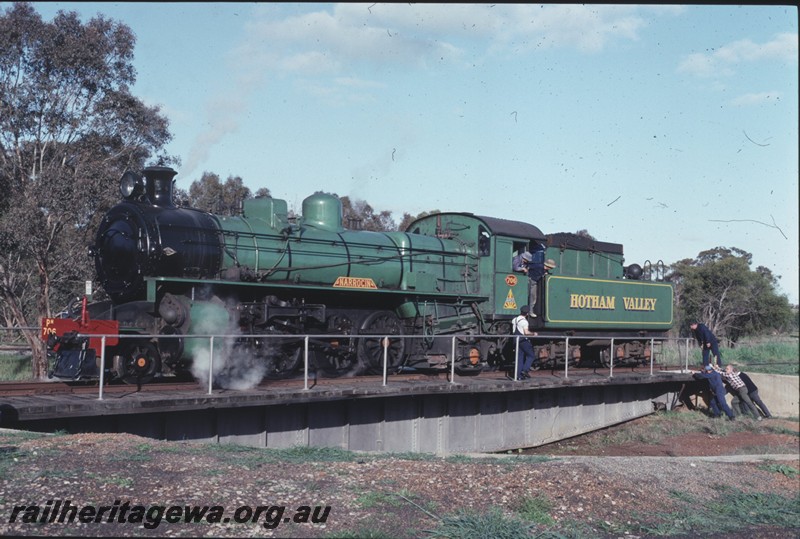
x=60, y=326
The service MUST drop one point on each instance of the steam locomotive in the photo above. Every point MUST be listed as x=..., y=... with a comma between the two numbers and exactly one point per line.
x=351, y=297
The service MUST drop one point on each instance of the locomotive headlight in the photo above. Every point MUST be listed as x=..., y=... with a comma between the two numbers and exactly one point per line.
x=131, y=185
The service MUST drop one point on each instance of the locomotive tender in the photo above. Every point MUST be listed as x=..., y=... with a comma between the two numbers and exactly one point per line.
x=174, y=272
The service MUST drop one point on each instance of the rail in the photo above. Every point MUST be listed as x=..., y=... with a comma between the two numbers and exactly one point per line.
x=385, y=340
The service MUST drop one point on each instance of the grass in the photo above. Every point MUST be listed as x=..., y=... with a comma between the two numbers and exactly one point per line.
x=300, y=455
x=15, y=367
x=658, y=426
x=141, y=454
x=125, y=482
x=768, y=357
x=535, y=509
x=518, y=459
x=407, y=455
x=387, y=515
x=375, y=499
x=778, y=356
x=783, y=469
x=252, y=457
x=8, y=456
x=731, y=511
x=492, y=523
x=372, y=499
x=18, y=436
x=669, y=424
x=365, y=532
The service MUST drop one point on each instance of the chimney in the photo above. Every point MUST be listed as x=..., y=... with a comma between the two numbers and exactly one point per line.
x=158, y=185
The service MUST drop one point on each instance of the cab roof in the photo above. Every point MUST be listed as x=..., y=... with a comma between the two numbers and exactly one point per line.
x=506, y=227
x=495, y=225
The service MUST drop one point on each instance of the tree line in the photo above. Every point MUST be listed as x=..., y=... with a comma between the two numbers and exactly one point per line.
x=211, y=194
x=70, y=125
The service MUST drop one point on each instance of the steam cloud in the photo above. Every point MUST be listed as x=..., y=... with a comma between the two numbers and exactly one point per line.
x=235, y=367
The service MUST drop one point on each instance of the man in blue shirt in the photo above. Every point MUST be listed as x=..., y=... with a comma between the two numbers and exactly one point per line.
x=538, y=267
x=708, y=341
x=718, y=392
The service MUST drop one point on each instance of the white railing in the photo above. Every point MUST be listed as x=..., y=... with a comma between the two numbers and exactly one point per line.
x=674, y=347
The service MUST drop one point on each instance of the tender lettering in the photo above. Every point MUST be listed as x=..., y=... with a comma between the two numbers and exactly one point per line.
x=639, y=304
x=594, y=302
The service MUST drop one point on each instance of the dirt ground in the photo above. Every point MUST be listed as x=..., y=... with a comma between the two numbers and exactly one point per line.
x=626, y=481
x=709, y=444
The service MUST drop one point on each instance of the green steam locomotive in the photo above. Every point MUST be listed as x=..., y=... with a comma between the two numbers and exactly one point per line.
x=443, y=290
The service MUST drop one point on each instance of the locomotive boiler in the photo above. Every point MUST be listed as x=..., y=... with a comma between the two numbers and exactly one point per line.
x=275, y=286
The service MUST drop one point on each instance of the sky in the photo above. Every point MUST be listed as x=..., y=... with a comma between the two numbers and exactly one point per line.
x=669, y=129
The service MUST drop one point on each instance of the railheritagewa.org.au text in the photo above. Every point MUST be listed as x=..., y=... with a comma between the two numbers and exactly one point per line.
x=151, y=516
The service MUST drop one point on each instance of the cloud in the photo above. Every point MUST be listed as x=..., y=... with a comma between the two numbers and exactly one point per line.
x=322, y=41
x=328, y=46
x=353, y=82
x=422, y=35
x=721, y=62
x=755, y=99
x=586, y=28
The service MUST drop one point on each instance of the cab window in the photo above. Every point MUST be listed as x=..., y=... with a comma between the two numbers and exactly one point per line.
x=484, y=242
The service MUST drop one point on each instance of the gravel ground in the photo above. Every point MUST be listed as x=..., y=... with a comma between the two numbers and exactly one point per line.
x=385, y=496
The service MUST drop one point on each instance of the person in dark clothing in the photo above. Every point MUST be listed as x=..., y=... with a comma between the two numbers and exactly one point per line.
x=739, y=390
x=538, y=267
x=526, y=358
x=707, y=341
x=717, y=401
x=752, y=391
x=521, y=261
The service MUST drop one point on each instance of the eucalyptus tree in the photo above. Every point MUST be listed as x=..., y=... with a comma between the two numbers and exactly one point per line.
x=408, y=218
x=210, y=194
x=69, y=127
x=360, y=214
x=720, y=289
